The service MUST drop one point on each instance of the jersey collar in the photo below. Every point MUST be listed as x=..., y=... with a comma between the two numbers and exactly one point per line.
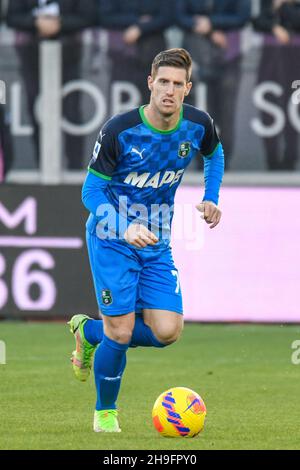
x=154, y=129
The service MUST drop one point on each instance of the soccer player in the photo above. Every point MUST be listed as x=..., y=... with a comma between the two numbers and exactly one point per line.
x=137, y=165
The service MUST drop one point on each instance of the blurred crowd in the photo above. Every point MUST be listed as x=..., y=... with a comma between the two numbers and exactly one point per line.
x=210, y=31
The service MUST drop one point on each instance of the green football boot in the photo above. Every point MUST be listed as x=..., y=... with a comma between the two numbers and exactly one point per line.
x=106, y=421
x=82, y=357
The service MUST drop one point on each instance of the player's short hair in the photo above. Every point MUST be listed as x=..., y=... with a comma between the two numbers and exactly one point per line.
x=177, y=57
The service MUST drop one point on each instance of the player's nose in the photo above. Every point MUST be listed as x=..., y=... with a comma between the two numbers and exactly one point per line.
x=170, y=90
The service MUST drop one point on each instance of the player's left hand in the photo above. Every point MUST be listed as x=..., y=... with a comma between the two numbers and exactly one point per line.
x=211, y=213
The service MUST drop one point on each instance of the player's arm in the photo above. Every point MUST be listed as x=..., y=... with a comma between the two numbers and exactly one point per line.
x=100, y=171
x=94, y=197
x=93, y=193
x=213, y=156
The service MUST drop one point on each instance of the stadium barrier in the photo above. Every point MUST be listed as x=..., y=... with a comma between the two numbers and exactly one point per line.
x=44, y=270
x=245, y=270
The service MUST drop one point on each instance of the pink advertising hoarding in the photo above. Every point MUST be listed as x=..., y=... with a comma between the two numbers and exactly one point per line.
x=248, y=267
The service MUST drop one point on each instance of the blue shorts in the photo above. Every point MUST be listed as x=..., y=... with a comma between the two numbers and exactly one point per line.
x=128, y=280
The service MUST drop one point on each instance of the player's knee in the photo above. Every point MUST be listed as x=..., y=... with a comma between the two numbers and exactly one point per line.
x=168, y=336
x=120, y=328
x=121, y=335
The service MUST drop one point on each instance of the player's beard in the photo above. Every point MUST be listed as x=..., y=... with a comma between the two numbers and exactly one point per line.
x=157, y=104
x=167, y=113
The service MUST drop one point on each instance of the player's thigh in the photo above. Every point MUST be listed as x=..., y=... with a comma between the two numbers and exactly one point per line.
x=159, y=286
x=165, y=325
x=115, y=271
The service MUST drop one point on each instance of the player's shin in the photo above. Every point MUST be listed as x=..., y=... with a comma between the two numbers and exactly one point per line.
x=109, y=365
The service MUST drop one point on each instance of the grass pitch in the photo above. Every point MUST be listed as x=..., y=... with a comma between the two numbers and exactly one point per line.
x=244, y=374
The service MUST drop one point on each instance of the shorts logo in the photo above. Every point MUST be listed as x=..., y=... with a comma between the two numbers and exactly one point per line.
x=184, y=149
x=106, y=297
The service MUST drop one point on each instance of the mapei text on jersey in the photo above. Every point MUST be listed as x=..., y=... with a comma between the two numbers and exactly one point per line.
x=145, y=180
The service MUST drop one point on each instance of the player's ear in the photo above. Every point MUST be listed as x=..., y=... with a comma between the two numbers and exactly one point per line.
x=150, y=82
x=188, y=88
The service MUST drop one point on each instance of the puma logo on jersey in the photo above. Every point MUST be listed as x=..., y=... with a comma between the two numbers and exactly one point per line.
x=134, y=150
x=145, y=180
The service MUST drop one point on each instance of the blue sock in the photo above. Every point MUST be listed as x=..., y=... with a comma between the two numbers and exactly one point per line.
x=93, y=331
x=142, y=335
x=109, y=365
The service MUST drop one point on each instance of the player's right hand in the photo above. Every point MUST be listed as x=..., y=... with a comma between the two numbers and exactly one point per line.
x=139, y=236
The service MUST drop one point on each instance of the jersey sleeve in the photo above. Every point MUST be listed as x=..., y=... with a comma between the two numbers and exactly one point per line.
x=106, y=152
x=211, y=139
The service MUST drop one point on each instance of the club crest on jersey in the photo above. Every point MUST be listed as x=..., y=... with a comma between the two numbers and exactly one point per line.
x=106, y=297
x=184, y=149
